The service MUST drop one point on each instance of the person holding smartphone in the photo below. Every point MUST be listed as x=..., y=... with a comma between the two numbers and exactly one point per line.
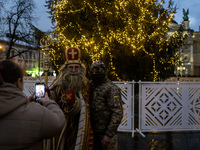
x=23, y=122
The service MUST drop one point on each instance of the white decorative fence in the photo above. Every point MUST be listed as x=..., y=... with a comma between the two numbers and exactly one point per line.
x=29, y=86
x=169, y=106
x=163, y=106
x=127, y=91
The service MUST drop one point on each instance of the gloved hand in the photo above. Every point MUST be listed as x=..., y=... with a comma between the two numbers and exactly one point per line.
x=70, y=97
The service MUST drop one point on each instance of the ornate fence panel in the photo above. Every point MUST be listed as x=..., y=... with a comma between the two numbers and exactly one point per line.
x=127, y=92
x=169, y=106
x=29, y=86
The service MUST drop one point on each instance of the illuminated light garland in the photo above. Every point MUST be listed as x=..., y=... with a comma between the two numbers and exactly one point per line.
x=96, y=48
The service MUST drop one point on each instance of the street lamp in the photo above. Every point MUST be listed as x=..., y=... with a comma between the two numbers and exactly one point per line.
x=45, y=43
x=1, y=48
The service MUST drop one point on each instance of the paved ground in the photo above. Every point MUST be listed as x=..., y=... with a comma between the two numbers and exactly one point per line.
x=160, y=141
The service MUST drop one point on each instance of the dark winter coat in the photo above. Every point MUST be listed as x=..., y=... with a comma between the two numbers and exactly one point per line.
x=23, y=124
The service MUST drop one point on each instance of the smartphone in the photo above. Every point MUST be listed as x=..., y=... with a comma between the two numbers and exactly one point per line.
x=39, y=91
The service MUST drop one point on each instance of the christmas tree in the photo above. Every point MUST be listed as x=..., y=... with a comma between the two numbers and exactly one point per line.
x=129, y=36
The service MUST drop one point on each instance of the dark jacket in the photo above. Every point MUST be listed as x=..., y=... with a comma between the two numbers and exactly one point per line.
x=24, y=125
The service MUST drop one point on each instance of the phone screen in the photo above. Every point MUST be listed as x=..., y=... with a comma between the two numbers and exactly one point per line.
x=39, y=91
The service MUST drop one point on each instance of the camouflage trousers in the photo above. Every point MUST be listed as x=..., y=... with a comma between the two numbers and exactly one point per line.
x=97, y=142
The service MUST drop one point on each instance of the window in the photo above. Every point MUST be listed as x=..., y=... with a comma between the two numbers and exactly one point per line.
x=26, y=55
x=30, y=55
x=26, y=63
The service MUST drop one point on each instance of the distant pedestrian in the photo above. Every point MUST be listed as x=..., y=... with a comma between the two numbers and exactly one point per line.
x=106, y=108
x=24, y=124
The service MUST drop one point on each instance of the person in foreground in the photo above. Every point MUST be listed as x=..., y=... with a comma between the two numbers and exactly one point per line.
x=71, y=91
x=105, y=108
x=23, y=123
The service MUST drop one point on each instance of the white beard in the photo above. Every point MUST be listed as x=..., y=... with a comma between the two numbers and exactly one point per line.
x=75, y=81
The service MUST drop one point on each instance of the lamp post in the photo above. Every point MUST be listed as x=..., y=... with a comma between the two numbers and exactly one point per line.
x=45, y=43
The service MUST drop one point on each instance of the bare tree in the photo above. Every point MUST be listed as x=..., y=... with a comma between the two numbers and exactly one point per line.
x=1, y=15
x=18, y=15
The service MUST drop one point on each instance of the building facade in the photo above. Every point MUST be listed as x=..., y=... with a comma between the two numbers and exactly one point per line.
x=189, y=52
x=31, y=60
x=190, y=55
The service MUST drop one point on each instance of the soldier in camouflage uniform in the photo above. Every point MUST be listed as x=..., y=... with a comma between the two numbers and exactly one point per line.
x=106, y=108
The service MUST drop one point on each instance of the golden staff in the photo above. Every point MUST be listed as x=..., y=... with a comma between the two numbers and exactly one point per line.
x=45, y=43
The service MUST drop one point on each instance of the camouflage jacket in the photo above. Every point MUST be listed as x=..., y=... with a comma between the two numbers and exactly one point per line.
x=106, y=108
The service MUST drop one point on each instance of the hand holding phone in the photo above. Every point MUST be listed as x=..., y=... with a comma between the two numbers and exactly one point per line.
x=31, y=98
x=46, y=98
x=39, y=91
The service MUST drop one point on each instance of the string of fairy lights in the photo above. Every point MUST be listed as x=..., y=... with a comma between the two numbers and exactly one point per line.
x=98, y=43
